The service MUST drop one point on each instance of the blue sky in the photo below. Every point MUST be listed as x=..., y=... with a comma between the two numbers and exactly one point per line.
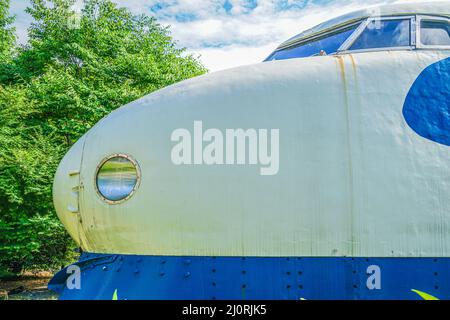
x=228, y=33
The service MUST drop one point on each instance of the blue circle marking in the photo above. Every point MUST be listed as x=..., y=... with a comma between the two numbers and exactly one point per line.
x=427, y=105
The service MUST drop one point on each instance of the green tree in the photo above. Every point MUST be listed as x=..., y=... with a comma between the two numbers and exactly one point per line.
x=7, y=35
x=75, y=69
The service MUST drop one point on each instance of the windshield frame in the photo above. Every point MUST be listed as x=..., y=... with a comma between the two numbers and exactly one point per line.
x=316, y=37
x=420, y=45
x=320, y=35
x=345, y=48
x=415, y=29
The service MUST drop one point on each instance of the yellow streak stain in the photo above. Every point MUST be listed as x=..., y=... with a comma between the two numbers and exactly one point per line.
x=341, y=65
x=424, y=295
x=342, y=70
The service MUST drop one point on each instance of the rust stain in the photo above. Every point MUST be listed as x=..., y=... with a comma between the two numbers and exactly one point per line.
x=357, y=85
x=342, y=71
x=355, y=77
x=341, y=65
x=352, y=59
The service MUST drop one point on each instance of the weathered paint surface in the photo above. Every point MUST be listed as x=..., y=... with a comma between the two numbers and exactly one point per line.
x=355, y=180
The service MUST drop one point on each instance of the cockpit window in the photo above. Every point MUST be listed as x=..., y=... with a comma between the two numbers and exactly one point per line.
x=384, y=34
x=325, y=45
x=435, y=33
x=403, y=32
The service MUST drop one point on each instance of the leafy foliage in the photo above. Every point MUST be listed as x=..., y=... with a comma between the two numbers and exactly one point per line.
x=7, y=36
x=75, y=69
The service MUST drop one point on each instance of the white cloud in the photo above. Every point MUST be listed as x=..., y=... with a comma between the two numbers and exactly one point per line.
x=233, y=56
x=242, y=35
x=226, y=37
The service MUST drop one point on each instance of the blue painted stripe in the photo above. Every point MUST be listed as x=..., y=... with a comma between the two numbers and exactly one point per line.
x=234, y=278
x=427, y=105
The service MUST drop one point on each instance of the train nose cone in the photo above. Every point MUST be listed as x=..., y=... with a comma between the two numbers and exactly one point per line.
x=66, y=190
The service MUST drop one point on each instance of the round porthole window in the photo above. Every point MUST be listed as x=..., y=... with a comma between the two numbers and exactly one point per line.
x=117, y=178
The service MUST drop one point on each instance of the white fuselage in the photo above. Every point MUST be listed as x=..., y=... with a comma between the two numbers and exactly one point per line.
x=353, y=178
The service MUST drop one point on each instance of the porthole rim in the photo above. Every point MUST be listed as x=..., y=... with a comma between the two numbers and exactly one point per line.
x=136, y=185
